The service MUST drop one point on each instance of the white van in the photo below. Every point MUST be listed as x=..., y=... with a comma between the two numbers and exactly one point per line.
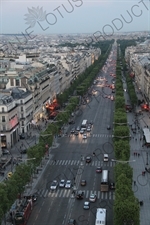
x=105, y=157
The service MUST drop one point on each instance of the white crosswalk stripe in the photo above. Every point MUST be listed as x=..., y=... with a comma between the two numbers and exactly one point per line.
x=78, y=162
x=98, y=135
x=67, y=193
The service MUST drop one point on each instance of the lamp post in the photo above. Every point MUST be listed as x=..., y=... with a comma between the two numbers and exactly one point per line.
x=147, y=158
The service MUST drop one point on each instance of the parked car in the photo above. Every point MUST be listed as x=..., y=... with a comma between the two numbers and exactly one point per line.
x=98, y=169
x=83, y=182
x=80, y=195
x=108, y=127
x=92, y=198
x=86, y=205
x=22, y=136
x=54, y=185
x=62, y=183
x=5, y=152
x=72, y=131
x=23, y=151
x=88, y=159
x=68, y=184
x=71, y=122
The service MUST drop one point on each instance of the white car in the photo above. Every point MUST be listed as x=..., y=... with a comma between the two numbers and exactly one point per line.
x=68, y=184
x=86, y=205
x=105, y=157
x=62, y=183
x=84, y=136
x=81, y=131
x=92, y=198
x=54, y=185
x=88, y=129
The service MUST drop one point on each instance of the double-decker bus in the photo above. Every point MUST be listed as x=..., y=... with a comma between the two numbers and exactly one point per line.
x=23, y=211
x=105, y=181
x=101, y=216
x=84, y=124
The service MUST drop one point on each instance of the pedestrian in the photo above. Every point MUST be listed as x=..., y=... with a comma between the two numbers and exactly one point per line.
x=138, y=154
x=134, y=153
x=134, y=182
x=55, y=161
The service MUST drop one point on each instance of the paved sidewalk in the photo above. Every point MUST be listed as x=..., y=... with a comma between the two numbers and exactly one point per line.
x=141, y=187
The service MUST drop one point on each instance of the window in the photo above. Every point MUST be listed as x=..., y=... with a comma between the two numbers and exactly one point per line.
x=3, y=109
x=11, y=81
x=4, y=127
x=17, y=82
x=21, y=115
x=21, y=101
x=21, y=108
x=3, y=119
x=22, y=123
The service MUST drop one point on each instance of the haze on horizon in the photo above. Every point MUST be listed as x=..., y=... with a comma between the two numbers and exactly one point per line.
x=74, y=16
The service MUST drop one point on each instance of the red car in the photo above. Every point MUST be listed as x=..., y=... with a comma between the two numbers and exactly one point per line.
x=99, y=169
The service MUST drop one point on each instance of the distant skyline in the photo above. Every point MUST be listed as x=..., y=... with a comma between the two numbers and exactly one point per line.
x=83, y=16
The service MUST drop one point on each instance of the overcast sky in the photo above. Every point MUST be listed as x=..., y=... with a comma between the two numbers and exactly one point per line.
x=83, y=16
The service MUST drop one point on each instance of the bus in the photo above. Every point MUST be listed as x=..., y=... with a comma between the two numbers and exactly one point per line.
x=104, y=181
x=84, y=124
x=23, y=211
x=101, y=216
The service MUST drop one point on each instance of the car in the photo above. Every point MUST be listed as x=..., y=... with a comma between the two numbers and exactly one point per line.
x=91, y=122
x=76, y=133
x=71, y=222
x=88, y=159
x=68, y=184
x=72, y=131
x=86, y=205
x=105, y=158
x=22, y=136
x=82, y=131
x=78, y=128
x=108, y=127
x=5, y=152
x=80, y=195
x=84, y=136
x=23, y=151
x=92, y=198
x=98, y=169
x=88, y=129
x=62, y=183
x=112, y=186
x=54, y=185
x=83, y=182
x=71, y=122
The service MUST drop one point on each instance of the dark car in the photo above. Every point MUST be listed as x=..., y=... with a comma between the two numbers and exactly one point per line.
x=98, y=169
x=83, y=182
x=88, y=159
x=76, y=133
x=71, y=222
x=108, y=127
x=80, y=195
x=71, y=122
x=22, y=136
x=72, y=131
x=112, y=186
x=23, y=151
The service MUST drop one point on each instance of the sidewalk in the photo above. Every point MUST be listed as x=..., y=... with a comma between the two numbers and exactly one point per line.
x=141, y=188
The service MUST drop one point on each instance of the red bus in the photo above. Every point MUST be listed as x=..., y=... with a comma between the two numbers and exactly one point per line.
x=23, y=211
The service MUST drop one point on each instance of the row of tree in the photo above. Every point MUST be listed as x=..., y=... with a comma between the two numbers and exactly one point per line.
x=126, y=206
x=11, y=188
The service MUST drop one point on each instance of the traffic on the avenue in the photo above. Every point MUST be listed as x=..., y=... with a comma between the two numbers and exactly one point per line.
x=78, y=185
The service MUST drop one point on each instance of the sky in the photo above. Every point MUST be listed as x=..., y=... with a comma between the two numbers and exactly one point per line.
x=74, y=16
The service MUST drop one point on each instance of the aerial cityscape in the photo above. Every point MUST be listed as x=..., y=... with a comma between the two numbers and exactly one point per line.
x=74, y=113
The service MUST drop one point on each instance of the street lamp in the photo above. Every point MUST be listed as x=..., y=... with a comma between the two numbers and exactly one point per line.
x=120, y=161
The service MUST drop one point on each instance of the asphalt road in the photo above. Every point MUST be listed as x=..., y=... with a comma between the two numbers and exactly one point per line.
x=57, y=207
